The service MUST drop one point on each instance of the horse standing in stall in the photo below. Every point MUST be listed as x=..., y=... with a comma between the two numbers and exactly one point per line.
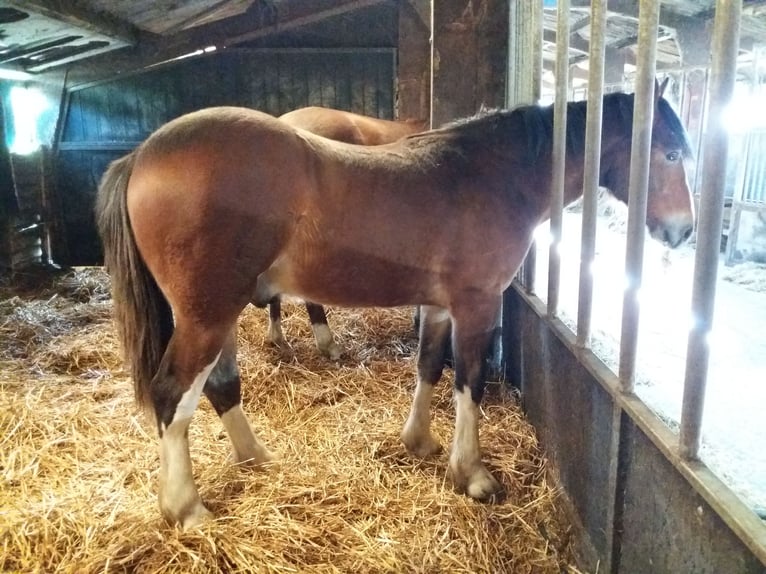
x=344, y=127
x=228, y=206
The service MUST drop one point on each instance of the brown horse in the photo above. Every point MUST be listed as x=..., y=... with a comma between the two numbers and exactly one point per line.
x=344, y=127
x=228, y=206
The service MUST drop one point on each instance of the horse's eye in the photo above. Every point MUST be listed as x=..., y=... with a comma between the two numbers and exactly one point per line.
x=673, y=156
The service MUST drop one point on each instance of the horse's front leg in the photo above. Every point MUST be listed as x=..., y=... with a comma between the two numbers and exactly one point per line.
x=435, y=328
x=473, y=328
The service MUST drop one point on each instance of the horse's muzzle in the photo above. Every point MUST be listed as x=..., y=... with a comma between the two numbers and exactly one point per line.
x=673, y=235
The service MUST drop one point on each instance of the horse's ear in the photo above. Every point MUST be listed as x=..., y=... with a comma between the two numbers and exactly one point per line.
x=659, y=89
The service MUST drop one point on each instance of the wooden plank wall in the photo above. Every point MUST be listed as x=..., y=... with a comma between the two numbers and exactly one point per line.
x=107, y=120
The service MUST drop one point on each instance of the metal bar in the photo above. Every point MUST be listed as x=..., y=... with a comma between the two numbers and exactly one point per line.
x=728, y=14
x=643, y=117
x=559, y=153
x=700, y=134
x=592, y=165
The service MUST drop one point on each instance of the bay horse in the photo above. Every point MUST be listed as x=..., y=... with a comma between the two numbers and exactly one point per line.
x=227, y=206
x=351, y=128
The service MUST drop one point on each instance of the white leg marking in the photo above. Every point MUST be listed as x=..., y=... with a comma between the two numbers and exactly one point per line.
x=275, y=335
x=325, y=341
x=468, y=471
x=416, y=434
x=179, y=499
x=190, y=399
x=247, y=448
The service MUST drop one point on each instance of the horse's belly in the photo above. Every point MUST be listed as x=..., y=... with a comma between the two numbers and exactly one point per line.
x=352, y=278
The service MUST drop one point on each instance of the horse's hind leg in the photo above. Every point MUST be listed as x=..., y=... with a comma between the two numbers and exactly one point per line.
x=474, y=326
x=322, y=334
x=223, y=390
x=191, y=355
x=435, y=329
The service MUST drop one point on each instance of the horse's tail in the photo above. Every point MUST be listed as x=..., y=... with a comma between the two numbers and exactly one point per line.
x=142, y=315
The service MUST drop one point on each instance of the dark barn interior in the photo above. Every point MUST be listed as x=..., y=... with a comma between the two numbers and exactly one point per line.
x=102, y=75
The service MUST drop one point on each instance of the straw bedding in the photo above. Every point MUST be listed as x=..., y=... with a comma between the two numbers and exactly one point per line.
x=78, y=463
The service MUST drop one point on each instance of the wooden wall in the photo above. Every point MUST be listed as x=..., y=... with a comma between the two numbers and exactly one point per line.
x=106, y=120
x=9, y=206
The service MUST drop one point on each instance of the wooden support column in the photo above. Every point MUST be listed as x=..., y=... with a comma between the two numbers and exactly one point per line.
x=468, y=56
x=414, y=61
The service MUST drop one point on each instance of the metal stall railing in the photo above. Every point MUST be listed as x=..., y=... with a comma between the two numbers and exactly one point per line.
x=715, y=151
x=683, y=452
x=643, y=118
x=558, y=154
x=592, y=165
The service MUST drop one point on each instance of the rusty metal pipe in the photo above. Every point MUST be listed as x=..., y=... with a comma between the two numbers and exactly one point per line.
x=596, y=59
x=728, y=14
x=558, y=153
x=643, y=118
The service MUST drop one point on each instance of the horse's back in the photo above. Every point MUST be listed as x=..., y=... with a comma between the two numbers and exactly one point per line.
x=344, y=126
x=326, y=122
x=217, y=126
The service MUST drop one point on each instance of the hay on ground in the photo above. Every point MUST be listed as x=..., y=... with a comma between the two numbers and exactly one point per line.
x=79, y=464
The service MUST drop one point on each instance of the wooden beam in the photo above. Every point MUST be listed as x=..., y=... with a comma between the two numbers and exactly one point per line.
x=152, y=49
x=74, y=12
x=198, y=17
x=299, y=22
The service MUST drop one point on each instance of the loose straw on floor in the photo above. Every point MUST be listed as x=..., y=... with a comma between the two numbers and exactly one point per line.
x=78, y=463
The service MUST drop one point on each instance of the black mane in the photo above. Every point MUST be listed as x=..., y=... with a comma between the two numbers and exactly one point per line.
x=534, y=124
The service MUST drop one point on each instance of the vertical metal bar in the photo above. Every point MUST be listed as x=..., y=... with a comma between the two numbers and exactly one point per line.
x=643, y=117
x=684, y=98
x=700, y=133
x=537, y=51
x=728, y=14
x=559, y=153
x=592, y=165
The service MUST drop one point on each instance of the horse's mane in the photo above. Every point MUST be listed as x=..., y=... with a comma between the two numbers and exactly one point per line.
x=533, y=125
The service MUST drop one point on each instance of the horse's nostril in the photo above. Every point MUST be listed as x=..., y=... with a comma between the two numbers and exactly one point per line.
x=676, y=236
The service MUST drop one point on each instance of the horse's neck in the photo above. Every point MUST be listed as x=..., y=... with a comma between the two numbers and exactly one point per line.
x=612, y=136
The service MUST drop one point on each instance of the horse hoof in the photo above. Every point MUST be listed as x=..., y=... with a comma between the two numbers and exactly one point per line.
x=275, y=336
x=486, y=489
x=332, y=351
x=419, y=446
x=283, y=347
x=255, y=461
x=198, y=517
x=479, y=484
x=191, y=515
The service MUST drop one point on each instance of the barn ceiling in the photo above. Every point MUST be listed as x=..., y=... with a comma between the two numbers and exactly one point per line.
x=45, y=35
